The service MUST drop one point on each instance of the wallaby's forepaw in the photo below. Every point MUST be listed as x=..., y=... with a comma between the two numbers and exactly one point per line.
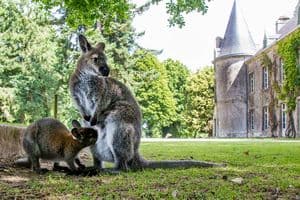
x=87, y=118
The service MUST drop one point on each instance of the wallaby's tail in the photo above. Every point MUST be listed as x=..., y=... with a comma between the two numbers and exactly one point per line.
x=141, y=163
x=179, y=164
x=23, y=162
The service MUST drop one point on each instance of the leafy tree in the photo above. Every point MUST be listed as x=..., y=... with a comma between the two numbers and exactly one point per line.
x=177, y=79
x=66, y=54
x=152, y=92
x=6, y=104
x=200, y=101
x=87, y=12
x=25, y=63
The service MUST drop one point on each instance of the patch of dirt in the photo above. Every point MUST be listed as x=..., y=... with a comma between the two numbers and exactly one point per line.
x=15, y=181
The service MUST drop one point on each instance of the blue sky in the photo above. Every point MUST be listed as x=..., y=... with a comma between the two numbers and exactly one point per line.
x=193, y=45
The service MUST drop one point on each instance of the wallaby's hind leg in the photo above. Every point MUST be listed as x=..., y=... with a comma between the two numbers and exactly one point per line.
x=121, y=164
x=123, y=146
x=98, y=164
x=36, y=165
x=33, y=152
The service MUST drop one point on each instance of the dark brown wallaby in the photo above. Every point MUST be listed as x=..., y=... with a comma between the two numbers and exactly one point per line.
x=111, y=107
x=49, y=139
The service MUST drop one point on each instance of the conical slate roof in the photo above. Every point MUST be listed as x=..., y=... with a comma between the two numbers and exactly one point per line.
x=237, y=39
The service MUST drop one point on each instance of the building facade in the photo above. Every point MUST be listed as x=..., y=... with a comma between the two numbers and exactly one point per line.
x=246, y=101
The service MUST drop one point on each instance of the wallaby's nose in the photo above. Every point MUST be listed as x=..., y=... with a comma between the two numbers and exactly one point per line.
x=104, y=70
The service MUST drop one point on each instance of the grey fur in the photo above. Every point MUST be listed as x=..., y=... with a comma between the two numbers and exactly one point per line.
x=49, y=139
x=111, y=107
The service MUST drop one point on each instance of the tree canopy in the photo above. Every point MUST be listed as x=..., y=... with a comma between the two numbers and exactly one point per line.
x=152, y=92
x=88, y=12
x=25, y=64
x=200, y=102
x=177, y=79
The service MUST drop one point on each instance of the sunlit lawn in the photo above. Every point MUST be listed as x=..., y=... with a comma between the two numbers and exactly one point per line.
x=269, y=170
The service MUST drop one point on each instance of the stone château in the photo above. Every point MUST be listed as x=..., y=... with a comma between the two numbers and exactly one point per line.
x=246, y=103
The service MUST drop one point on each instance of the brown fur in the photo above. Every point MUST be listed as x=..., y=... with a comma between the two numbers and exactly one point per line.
x=49, y=139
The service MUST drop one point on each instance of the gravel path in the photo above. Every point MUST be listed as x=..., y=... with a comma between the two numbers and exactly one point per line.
x=220, y=140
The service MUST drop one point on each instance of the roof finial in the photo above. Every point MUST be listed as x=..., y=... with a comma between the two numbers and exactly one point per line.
x=265, y=40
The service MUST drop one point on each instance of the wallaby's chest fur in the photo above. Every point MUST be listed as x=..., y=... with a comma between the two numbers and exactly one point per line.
x=103, y=95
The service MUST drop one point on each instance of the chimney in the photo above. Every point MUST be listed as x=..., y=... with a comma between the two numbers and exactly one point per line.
x=218, y=46
x=218, y=42
x=282, y=20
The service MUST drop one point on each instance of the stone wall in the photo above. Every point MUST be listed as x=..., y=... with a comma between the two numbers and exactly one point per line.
x=260, y=98
x=231, y=97
x=10, y=142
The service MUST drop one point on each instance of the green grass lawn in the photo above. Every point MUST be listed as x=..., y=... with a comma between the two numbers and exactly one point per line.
x=269, y=170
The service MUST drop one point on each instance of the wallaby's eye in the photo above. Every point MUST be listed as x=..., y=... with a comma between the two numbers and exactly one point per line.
x=95, y=60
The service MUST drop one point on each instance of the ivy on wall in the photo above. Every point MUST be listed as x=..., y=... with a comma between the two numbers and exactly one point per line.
x=273, y=90
x=288, y=50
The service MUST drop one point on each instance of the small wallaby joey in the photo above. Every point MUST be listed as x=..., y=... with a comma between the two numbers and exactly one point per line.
x=49, y=139
x=109, y=106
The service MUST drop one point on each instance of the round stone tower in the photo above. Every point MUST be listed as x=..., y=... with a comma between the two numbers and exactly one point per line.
x=231, y=51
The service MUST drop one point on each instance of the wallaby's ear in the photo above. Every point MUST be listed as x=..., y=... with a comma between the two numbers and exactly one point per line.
x=76, y=124
x=75, y=133
x=100, y=46
x=84, y=44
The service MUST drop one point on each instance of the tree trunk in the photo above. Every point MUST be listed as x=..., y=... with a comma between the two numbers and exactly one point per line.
x=55, y=106
x=291, y=131
x=272, y=113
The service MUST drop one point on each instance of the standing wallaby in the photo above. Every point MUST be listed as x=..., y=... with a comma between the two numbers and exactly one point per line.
x=49, y=139
x=110, y=106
